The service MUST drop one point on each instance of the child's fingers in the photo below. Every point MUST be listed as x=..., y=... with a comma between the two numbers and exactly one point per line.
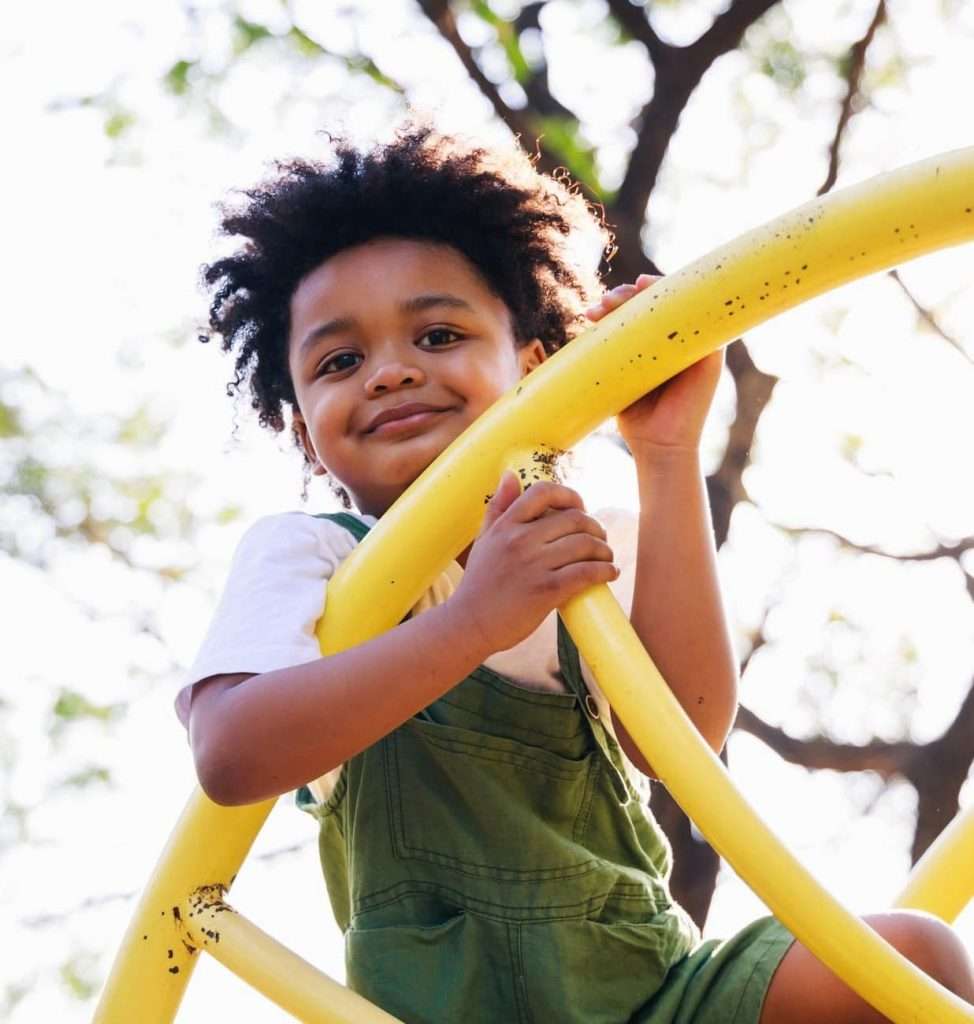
x=576, y=547
x=618, y=295
x=565, y=522
x=579, y=576
x=645, y=280
x=508, y=491
x=541, y=498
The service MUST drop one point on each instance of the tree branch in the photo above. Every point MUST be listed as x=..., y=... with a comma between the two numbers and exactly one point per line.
x=634, y=20
x=537, y=88
x=724, y=487
x=936, y=770
x=928, y=318
x=678, y=72
x=727, y=30
x=521, y=123
x=887, y=759
x=954, y=551
x=856, y=64
x=439, y=13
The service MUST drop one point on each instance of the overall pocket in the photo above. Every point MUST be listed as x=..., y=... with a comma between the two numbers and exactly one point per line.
x=488, y=807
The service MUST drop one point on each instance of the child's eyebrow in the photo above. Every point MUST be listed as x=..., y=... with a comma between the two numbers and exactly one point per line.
x=417, y=304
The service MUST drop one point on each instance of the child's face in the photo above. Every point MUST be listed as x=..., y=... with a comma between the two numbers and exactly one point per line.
x=396, y=347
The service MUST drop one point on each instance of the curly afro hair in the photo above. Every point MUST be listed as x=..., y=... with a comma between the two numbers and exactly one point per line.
x=514, y=224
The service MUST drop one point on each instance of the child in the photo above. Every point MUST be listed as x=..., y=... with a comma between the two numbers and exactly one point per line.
x=484, y=849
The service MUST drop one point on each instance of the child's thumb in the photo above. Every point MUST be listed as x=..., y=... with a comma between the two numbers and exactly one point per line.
x=508, y=491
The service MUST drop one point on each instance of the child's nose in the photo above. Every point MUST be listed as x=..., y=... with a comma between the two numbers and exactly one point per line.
x=391, y=376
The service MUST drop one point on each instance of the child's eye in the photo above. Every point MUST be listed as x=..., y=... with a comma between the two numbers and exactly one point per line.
x=437, y=337
x=338, y=362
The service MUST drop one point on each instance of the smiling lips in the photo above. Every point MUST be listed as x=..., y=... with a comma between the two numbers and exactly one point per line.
x=401, y=417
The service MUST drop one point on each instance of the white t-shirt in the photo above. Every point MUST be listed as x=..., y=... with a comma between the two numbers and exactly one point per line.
x=276, y=591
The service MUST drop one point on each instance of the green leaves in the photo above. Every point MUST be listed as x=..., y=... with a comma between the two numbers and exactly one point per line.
x=72, y=706
x=10, y=425
x=365, y=65
x=69, y=480
x=79, y=975
x=304, y=44
x=117, y=123
x=176, y=79
x=507, y=37
x=246, y=33
x=782, y=62
x=90, y=775
x=562, y=136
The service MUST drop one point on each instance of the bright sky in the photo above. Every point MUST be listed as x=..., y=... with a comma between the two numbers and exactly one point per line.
x=100, y=261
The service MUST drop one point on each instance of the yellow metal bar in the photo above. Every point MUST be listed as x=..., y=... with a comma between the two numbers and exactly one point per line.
x=273, y=969
x=641, y=698
x=155, y=961
x=942, y=881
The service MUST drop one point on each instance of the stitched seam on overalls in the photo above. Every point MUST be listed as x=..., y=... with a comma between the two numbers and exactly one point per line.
x=527, y=732
x=515, y=758
x=568, y=656
x=516, y=951
x=403, y=890
x=413, y=886
x=492, y=873
x=763, y=946
x=585, y=811
x=655, y=898
x=393, y=806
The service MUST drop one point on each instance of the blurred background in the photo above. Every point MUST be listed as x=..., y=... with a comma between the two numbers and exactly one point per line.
x=839, y=450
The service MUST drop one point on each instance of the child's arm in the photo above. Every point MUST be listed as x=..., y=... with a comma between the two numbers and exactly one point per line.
x=677, y=609
x=257, y=736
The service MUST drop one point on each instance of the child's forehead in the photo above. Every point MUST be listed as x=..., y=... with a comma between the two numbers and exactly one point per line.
x=390, y=271
x=406, y=257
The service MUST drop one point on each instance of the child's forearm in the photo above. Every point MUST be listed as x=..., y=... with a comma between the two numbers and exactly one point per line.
x=677, y=609
x=275, y=731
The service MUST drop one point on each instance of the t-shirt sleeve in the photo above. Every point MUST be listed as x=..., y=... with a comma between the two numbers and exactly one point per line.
x=272, y=600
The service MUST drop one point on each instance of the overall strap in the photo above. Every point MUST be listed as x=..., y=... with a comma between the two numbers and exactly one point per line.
x=353, y=524
x=571, y=670
x=302, y=796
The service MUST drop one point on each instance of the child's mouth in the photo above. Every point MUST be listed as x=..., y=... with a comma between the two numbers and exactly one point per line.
x=403, y=419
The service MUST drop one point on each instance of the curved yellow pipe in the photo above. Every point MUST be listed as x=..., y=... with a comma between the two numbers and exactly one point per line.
x=155, y=960
x=832, y=240
x=942, y=881
x=274, y=970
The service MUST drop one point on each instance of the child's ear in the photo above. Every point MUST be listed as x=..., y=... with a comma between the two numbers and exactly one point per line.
x=303, y=439
x=531, y=356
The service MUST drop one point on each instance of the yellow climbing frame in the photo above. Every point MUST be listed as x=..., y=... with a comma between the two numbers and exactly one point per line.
x=828, y=242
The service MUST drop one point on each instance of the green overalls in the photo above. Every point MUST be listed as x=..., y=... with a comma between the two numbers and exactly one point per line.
x=490, y=861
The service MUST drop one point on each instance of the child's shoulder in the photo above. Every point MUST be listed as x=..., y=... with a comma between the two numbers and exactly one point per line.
x=286, y=535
